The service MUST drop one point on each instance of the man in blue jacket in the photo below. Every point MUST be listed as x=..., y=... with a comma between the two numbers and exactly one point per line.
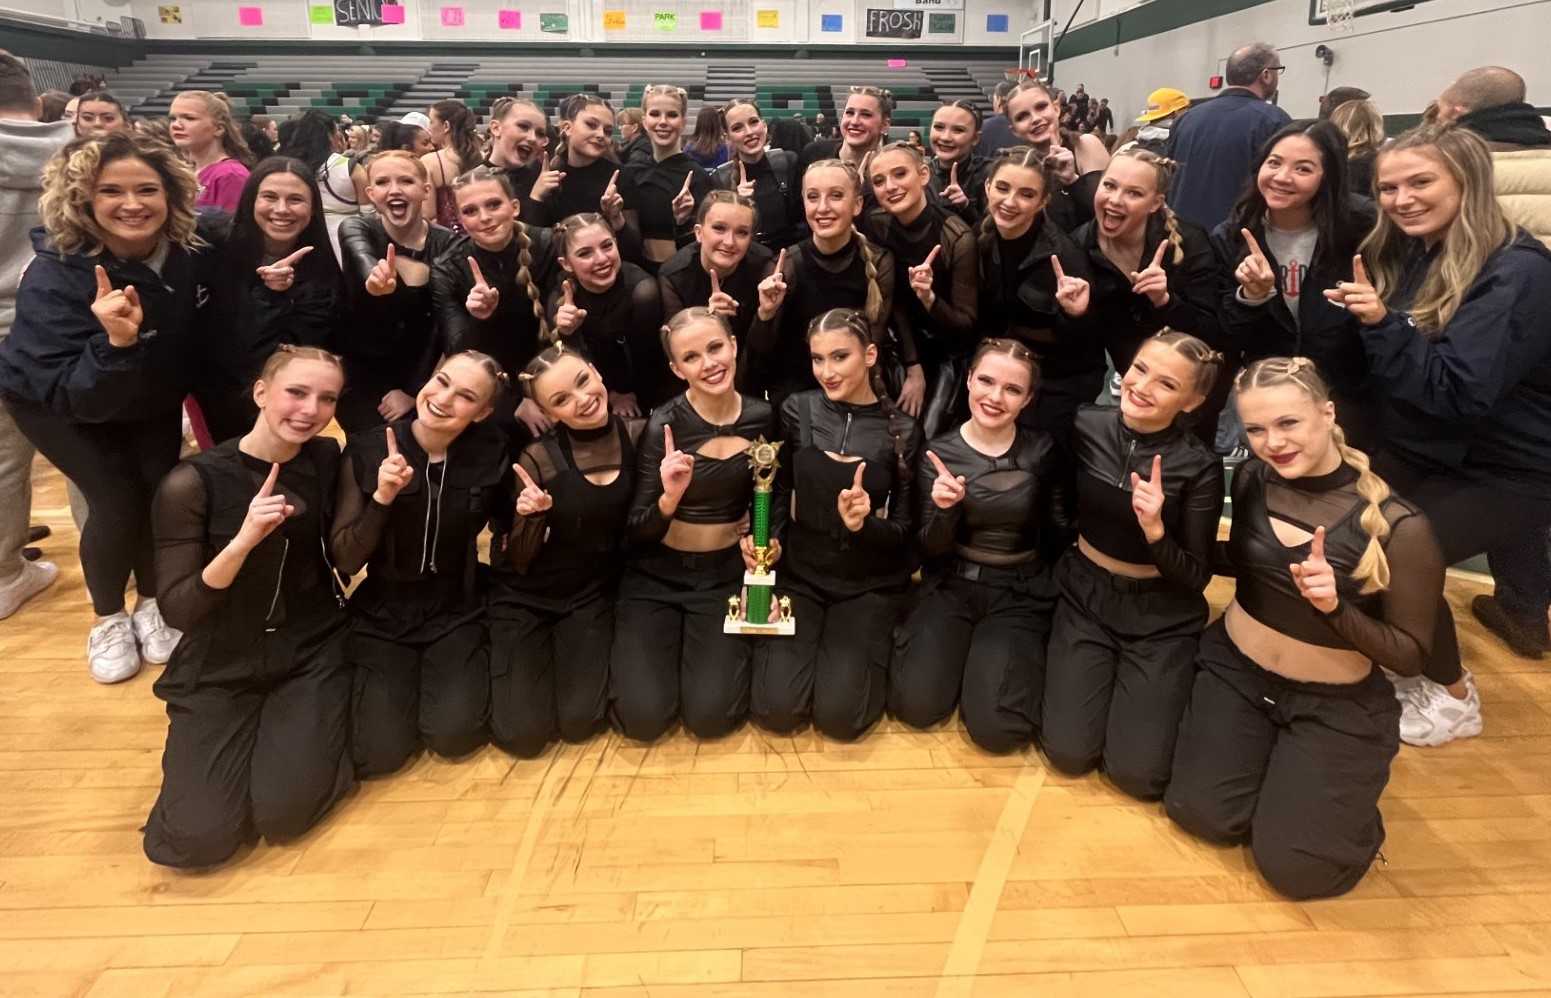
x=1218, y=142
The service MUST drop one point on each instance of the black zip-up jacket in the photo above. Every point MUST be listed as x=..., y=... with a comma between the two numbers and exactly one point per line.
x=511, y=334
x=818, y=547
x=1124, y=319
x=1475, y=397
x=1323, y=333
x=1018, y=299
x=58, y=355
x=422, y=550
x=1107, y=452
x=948, y=329
x=779, y=219
x=1014, y=507
x=390, y=340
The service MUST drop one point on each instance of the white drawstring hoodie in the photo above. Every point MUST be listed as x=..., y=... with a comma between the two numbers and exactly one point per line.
x=25, y=146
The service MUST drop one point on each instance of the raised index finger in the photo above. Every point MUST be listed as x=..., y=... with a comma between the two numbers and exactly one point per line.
x=1055, y=264
x=391, y=258
x=780, y=267
x=953, y=174
x=1157, y=258
x=667, y=438
x=393, y=442
x=1157, y=470
x=287, y=261
x=567, y=293
x=479, y=277
x=268, y=487
x=931, y=257
x=1359, y=270
x=527, y=479
x=613, y=181
x=856, y=483
x=716, y=282
x=1317, y=545
x=743, y=172
x=942, y=469
x=1249, y=240
x=687, y=178
x=105, y=286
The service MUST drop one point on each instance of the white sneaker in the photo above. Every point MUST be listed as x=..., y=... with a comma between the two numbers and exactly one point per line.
x=35, y=577
x=156, y=639
x=111, y=651
x=1403, y=684
x=1430, y=715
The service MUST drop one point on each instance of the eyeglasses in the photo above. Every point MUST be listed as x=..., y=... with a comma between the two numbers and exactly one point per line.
x=1276, y=69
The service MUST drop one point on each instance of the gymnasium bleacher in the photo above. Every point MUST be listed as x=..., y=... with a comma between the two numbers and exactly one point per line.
x=369, y=87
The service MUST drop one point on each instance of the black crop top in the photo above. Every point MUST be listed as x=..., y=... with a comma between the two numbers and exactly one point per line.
x=720, y=489
x=572, y=547
x=1394, y=628
x=1107, y=452
x=200, y=507
x=819, y=546
x=1012, y=503
x=657, y=183
x=619, y=334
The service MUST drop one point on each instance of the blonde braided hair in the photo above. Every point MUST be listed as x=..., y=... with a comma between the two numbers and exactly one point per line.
x=1372, y=571
x=873, y=309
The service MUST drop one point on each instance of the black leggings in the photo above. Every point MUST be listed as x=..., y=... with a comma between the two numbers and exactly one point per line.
x=670, y=655
x=1122, y=662
x=549, y=673
x=976, y=638
x=255, y=746
x=413, y=692
x=1470, y=518
x=1295, y=769
x=117, y=467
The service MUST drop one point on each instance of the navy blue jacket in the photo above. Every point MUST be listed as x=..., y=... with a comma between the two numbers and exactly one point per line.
x=1474, y=398
x=1217, y=144
x=58, y=354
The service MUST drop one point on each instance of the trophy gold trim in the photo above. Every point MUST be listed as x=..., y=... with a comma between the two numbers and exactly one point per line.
x=749, y=612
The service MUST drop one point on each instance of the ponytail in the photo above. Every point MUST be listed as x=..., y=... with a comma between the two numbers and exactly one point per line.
x=1372, y=571
x=1171, y=224
x=525, y=278
x=873, y=309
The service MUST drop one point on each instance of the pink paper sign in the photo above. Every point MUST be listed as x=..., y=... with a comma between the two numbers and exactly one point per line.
x=897, y=64
x=452, y=17
x=392, y=13
x=710, y=20
x=250, y=17
x=511, y=19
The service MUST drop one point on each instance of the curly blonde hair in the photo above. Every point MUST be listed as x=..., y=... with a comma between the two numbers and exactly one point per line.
x=70, y=183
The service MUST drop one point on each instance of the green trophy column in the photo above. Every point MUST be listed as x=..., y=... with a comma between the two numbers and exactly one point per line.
x=759, y=596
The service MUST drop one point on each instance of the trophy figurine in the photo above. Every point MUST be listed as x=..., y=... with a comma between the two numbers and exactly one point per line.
x=750, y=612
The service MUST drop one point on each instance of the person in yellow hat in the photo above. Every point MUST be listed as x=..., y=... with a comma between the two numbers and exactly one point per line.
x=1164, y=107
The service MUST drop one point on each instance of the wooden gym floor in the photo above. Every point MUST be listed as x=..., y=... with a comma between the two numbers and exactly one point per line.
x=910, y=864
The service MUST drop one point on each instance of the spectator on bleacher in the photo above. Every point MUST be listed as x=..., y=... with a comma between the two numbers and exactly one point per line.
x=117, y=254
x=203, y=130
x=451, y=128
x=519, y=138
x=789, y=134
x=1104, y=118
x=156, y=129
x=1303, y=227
x=56, y=106
x=935, y=271
x=631, y=140
x=956, y=167
x=722, y=269
x=913, y=140
x=316, y=140
x=996, y=131
x=26, y=144
x=863, y=123
x=1079, y=102
x=1076, y=161
x=258, y=140
x=99, y=113
x=823, y=128
x=409, y=133
x=669, y=184
x=389, y=342
x=612, y=310
x=359, y=139
x=769, y=176
x=485, y=292
x=273, y=280
x=1363, y=126
x=86, y=83
x=1164, y=108
x=1338, y=96
x=1218, y=143
x=708, y=145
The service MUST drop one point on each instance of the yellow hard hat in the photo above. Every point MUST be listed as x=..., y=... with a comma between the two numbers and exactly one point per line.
x=1163, y=102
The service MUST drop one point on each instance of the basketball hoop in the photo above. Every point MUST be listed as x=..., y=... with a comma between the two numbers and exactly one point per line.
x=1018, y=74
x=1339, y=15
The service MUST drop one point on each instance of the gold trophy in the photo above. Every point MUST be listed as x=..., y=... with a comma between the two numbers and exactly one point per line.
x=749, y=612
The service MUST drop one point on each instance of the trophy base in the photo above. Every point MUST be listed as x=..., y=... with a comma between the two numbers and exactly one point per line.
x=781, y=628
x=766, y=579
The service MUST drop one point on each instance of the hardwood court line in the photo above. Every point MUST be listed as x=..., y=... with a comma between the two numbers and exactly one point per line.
x=556, y=779
x=985, y=894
